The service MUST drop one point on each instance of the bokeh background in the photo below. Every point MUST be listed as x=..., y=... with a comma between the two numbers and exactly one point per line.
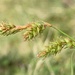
x=19, y=57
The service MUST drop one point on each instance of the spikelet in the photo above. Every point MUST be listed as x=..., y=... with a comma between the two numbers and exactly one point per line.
x=6, y=29
x=36, y=28
x=55, y=47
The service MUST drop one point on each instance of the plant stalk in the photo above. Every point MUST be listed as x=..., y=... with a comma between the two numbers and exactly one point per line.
x=63, y=33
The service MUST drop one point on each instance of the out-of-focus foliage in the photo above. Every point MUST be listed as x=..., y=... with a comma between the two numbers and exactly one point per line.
x=19, y=57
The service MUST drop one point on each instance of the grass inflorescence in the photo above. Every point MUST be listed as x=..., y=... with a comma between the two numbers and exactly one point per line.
x=35, y=28
x=55, y=47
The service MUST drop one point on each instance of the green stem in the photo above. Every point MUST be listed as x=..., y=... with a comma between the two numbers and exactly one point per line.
x=72, y=72
x=63, y=33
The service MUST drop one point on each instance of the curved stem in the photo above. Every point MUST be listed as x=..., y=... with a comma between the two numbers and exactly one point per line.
x=63, y=33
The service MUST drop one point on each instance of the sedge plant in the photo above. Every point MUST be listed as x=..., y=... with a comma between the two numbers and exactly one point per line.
x=35, y=28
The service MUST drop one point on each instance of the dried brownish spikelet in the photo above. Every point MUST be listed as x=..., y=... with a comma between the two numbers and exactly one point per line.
x=56, y=46
x=4, y=26
x=5, y=29
x=8, y=29
x=36, y=28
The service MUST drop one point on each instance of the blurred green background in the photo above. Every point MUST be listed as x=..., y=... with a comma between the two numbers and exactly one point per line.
x=19, y=57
